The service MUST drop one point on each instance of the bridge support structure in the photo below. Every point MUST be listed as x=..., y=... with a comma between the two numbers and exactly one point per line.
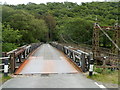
x=95, y=42
x=106, y=58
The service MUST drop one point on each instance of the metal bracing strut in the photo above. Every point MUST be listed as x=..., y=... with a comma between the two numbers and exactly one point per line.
x=109, y=38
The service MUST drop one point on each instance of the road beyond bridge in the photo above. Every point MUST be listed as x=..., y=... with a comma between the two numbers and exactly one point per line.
x=51, y=69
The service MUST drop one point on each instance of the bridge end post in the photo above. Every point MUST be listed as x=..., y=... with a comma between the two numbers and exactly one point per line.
x=6, y=67
x=91, y=64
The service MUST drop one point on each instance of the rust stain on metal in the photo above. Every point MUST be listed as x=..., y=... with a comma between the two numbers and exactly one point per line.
x=21, y=67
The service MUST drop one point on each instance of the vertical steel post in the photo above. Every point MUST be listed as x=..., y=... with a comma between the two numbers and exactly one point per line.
x=83, y=62
x=24, y=54
x=119, y=40
x=73, y=56
x=116, y=39
x=19, y=56
x=12, y=62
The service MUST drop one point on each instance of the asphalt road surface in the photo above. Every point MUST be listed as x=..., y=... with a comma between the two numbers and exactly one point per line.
x=48, y=68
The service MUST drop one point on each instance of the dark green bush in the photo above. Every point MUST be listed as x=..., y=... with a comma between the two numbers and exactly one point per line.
x=8, y=47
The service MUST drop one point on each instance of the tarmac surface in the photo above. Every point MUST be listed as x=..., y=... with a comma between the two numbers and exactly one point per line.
x=51, y=81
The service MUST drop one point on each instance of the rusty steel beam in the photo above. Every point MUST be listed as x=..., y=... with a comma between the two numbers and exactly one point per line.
x=113, y=66
x=106, y=27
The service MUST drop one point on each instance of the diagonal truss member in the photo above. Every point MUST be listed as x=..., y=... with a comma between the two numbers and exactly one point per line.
x=115, y=41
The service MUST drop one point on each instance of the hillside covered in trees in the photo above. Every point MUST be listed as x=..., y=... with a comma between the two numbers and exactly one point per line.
x=24, y=24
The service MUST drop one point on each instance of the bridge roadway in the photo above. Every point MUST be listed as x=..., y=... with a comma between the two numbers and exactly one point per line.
x=48, y=68
x=47, y=59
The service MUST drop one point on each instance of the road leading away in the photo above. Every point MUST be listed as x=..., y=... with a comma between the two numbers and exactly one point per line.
x=48, y=68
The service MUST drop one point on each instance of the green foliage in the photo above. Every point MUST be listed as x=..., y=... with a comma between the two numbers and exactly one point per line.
x=39, y=29
x=98, y=70
x=20, y=20
x=10, y=35
x=6, y=12
x=43, y=22
x=10, y=38
x=78, y=29
x=27, y=37
x=111, y=77
x=51, y=23
x=104, y=70
x=8, y=47
x=30, y=28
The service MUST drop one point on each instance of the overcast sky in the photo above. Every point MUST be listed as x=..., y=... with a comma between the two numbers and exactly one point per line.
x=15, y=2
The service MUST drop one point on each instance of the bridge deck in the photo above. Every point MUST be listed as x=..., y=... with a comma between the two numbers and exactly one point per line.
x=46, y=59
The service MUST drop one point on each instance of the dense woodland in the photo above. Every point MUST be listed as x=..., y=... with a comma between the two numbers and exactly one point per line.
x=69, y=22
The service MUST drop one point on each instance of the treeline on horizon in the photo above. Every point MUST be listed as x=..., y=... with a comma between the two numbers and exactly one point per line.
x=64, y=22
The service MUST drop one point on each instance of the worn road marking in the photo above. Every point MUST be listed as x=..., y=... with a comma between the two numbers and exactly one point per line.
x=101, y=86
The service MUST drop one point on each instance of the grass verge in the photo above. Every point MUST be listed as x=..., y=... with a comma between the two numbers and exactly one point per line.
x=111, y=77
x=4, y=79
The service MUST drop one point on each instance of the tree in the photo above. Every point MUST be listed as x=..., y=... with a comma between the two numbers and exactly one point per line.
x=26, y=23
x=38, y=21
x=20, y=20
x=78, y=29
x=51, y=23
x=6, y=12
x=10, y=35
x=10, y=38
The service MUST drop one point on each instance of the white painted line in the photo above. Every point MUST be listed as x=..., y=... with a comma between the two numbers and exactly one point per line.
x=4, y=57
x=1, y=87
x=101, y=86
